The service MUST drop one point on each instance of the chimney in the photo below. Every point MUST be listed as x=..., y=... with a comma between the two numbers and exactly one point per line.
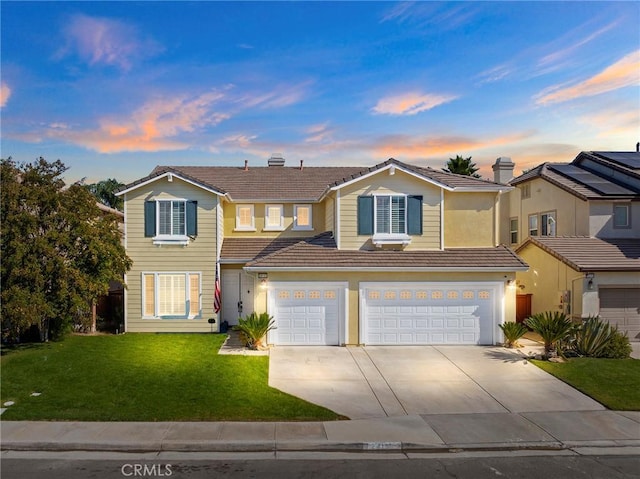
x=246, y=165
x=503, y=170
x=301, y=164
x=276, y=160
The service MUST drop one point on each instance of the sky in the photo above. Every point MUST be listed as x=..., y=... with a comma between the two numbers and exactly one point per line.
x=115, y=88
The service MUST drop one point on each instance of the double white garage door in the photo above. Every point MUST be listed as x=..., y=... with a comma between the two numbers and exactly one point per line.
x=315, y=313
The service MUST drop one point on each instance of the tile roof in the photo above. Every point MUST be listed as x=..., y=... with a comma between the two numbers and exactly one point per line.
x=592, y=175
x=243, y=250
x=284, y=183
x=323, y=255
x=584, y=253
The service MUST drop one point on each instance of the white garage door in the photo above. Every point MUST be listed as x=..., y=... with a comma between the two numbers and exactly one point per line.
x=621, y=307
x=430, y=313
x=307, y=313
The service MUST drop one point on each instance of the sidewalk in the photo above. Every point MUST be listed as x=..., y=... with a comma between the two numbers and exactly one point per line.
x=597, y=431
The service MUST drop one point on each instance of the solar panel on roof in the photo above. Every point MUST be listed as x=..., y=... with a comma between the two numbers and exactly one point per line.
x=595, y=182
x=630, y=159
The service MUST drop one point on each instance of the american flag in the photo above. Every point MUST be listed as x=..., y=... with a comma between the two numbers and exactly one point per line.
x=217, y=300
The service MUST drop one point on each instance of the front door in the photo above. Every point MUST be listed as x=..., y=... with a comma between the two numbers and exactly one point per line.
x=523, y=307
x=237, y=295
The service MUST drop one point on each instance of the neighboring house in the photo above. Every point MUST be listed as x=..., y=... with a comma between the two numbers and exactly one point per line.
x=392, y=254
x=578, y=227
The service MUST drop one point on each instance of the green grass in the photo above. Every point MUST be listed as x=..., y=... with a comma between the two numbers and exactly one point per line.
x=145, y=377
x=612, y=382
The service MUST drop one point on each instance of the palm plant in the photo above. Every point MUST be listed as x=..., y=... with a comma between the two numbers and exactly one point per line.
x=253, y=328
x=461, y=166
x=592, y=337
x=553, y=327
x=512, y=332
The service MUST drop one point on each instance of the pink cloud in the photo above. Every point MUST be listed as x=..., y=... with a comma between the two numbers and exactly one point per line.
x=152, y=127
x=623, y=73
x=106, y=41
x=410, y=103
x=5, y=93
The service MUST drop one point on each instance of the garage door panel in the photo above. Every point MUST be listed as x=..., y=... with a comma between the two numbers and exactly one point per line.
x=621, y=308
x=306, y=314
x=428, y=313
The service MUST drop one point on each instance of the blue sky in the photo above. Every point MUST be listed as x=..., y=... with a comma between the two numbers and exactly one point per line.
x=115, y=88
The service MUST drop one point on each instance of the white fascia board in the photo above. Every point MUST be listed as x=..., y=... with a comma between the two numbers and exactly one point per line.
x=235, y=261
x=381, y=269
x=397, y=167
x=165, y=175
x=272, y=200
x=484, y=189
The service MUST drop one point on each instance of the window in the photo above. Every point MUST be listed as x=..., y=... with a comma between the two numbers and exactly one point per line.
x=526, y=191
x=171, y=295
x=513, y=230
x=273, y=218
x=302, y=217
x=533, y=225
x=244, y=218
x=391, y=214
x=172, y=218
x=548, y=224
x=622, y=216
x=170, y=221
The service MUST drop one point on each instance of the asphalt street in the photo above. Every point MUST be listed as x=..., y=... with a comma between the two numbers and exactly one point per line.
x=329, y=466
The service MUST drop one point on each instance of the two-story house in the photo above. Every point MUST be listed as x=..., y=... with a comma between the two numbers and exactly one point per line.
x=578, y=227
x=390, y=254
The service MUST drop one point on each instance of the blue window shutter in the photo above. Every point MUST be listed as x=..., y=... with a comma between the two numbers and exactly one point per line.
x=365, y=215
x=414, y=215
x=149, y=218
x=192, y=218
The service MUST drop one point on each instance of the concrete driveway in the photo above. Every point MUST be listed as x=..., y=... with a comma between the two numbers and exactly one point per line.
x=381, y=381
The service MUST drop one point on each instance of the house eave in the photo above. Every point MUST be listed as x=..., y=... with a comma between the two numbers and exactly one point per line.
x=374, y=269
x=172, y=175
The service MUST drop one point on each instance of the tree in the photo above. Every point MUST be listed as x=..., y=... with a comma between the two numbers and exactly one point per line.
x=105, y=192
x=59, y=252
x=461, y=166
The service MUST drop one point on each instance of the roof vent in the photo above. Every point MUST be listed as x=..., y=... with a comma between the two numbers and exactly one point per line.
x=276, y=159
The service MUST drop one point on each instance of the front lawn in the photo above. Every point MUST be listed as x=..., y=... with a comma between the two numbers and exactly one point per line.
x=612, y=382
x=144, y=377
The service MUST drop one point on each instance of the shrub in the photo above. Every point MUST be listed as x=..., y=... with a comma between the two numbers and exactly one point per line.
x=592, y=337
x=512, y=332
x=618, y=346
x=253, y=328
x=553, y=327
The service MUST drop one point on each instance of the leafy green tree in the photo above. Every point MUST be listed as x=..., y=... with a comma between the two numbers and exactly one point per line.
x=59, y=252
x=461, y=166
x=105, y=193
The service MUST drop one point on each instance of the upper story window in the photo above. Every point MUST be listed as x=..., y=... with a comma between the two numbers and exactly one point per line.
x=533, y=225
x=622, y=215
x=172, y=217
x=526, y=191
x=245, y=220
x=302, y=219
x=171, y=221
x=513, y=230
x=390, y=215
x=548, y=224
x=390, y=219
x=273, y=218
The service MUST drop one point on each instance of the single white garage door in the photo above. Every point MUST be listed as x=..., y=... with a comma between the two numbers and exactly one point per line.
x=307, y=313
x=621, y=307
x=430, y=313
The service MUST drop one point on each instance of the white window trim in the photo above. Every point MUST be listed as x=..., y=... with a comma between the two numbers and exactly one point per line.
x=295, y=217
x=380, y=239
x=551, y=215
x=627, y=206
x=252, y=227
x=511, y=230
x=267, y=227
x=529, y=229
x=170, y=239
x=156, y=306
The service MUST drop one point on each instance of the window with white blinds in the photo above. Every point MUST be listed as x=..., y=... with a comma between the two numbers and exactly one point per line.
x=391, y=214
x=171, y=295
x=172, y=217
